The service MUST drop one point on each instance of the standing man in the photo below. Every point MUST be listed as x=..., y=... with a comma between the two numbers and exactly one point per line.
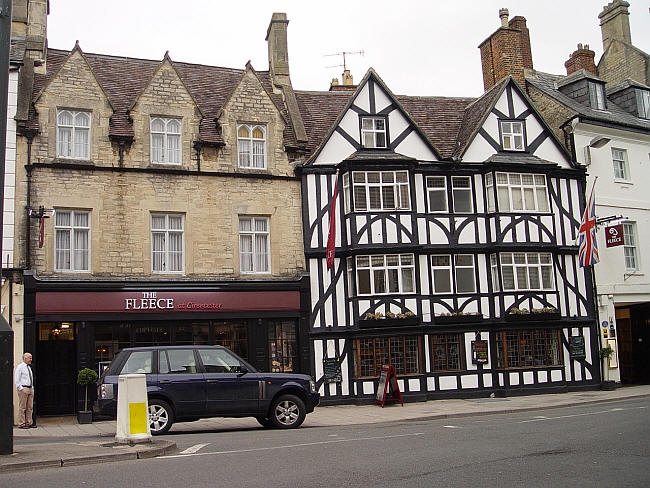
x=24, y=380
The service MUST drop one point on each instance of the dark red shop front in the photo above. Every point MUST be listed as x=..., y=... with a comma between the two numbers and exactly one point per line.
x=80, y=327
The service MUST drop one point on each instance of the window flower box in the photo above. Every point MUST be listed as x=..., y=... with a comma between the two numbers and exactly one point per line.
x=374, y=320
x=536, y=314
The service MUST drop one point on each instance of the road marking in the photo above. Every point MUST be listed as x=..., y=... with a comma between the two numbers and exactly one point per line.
x=194, y=448
x=538, y=419
x=286, y=446
x=451, y=426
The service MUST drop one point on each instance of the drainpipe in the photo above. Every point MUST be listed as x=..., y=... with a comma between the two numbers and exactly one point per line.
x=28, y=168
x=197, y=148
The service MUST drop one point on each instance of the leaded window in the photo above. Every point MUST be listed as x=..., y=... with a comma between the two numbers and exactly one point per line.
x=529, y=348
x=447, y=352
x=403, y=352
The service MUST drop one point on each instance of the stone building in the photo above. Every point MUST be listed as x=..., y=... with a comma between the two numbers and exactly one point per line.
x=158, y=205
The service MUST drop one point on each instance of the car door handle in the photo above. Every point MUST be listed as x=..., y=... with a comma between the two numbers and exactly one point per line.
x=165, y=381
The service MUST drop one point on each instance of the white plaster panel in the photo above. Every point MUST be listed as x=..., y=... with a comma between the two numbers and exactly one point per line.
x=577, y=371
x=327, y=278
x=422, y=231
x=406, y=221
x=478, y=150
x=400, y=384
x=345, y=385
x=529, y=379
x=424, y=274
x=469, y=381
x=556, y=375
x=363, y=238
x=491, y=126
x=533, y=128
x=502, y=104
x=311, y=206
x=414, y=146
x=482, y=230
x=431, y=384
x=436, y=234
x=350, y=124
x=542, y=376
x=332, y=388
x=467, y=235
x=519, y=105
x=382, y=100
x=397, y=123
x=363, y=98
x=487, y=380
x=368, y=388
x=481, y=265
x=548, y=150
x=336, y=149
x=448, y=383
x=419, y=192
x=414, y=385
x=376, y=232
x=514, y=378
x=340, y=299
x=501, y=379
x=318, y=358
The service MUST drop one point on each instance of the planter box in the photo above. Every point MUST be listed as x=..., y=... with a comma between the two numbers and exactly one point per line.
x=457, y=319
x=85, y=416
x=532, y=317
x=380, y=323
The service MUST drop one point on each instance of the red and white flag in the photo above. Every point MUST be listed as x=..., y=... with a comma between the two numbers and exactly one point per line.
x=588, y=250
x=331, y=238
x=41, y=236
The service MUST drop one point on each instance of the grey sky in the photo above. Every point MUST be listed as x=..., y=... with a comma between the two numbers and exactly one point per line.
x=417, y=47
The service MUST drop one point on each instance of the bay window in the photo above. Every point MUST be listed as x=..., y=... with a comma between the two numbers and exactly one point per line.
x=518, y=192
x=377, y=191
x=526, y=271
x=384, y=274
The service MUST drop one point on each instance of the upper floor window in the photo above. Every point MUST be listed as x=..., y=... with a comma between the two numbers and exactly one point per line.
x=461, y=192
x=254, y=244
x=385, y=273
x=453, y=276
x=378, y=190
x=373, y=132
x=512, y=135
x=251, y=146
x=619, y=159
x=167, y=250
x=597, y=96
x=73, y=134
x=165, y=140
x=643, y=103
x=526, y=271
x=72, y=240
x=517, y=192
x=630, y=246
x=437, y=193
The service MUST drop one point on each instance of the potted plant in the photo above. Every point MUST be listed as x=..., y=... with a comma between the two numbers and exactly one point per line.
x=85, y=377
x=605, y=353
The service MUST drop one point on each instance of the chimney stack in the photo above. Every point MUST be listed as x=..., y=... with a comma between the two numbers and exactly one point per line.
x=276, y=37
x=615, y=23
x=347, y=83
x=506, y=51
x=582, y=58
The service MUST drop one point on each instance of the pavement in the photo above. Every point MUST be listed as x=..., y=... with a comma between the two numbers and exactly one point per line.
x=62, y=442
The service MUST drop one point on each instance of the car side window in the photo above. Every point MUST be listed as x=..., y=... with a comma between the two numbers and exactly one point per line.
x=219, y=361
x=163, y=363
x=181, y=361
x=138, y=362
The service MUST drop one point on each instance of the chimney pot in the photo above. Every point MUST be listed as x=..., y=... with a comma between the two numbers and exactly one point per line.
x=503, y=14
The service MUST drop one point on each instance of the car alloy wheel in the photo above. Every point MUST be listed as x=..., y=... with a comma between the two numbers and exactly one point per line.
x=288, y=412
x=160, y=417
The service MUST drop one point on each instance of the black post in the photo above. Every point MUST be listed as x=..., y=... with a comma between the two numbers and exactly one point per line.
x=6, y=333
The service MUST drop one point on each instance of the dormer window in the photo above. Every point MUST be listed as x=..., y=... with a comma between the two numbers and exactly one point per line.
x=597, y=96
x=251, y=146
x=643, y=103
x=165, y=140
x=73, y=134
x=512, y=135
x=373, y=132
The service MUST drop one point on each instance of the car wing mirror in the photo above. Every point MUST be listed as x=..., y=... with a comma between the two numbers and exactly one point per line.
x=243, y=369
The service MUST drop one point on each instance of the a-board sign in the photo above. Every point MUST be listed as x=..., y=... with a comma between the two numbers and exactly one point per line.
x=388, y=388
x=332, y=370
x=577, y=347
x=479, y=352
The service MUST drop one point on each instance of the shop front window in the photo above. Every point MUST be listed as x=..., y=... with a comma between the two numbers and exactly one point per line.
x=233, y=335
x=151, y=335
x=282, y=345
x=56, y=331
x=109, y=340
x=192, y=333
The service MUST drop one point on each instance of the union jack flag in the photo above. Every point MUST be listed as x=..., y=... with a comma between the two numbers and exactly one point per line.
x=588, y=250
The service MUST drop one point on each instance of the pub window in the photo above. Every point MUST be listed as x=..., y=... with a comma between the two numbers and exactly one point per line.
x=461, y=191
x=282, y=346
x=383, y=274
x=373, y=132
x=403, y=352
x=233, y=335
x=519, y=192
x=512, y=135
x=526, y=271
x=529, y=348
x=437, y=193
x=630, y=247
x=167, y=252
x=447, y=352
x=459, y=278
x=378, y=191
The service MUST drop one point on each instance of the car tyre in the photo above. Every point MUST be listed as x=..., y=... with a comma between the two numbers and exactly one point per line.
x=264, y=422
x=287, y=412
x=161, y=417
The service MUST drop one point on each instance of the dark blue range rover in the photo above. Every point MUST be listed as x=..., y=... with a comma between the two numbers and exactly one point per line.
x=187, y=383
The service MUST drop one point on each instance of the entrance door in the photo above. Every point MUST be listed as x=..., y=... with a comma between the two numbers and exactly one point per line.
x=55, y=369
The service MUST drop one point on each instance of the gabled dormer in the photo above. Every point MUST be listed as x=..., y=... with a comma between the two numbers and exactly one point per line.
x=586, y=88
x=374, y=125
x=632, y=97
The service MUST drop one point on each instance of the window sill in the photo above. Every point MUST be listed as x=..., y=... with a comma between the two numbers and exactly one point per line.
x=623, y=182
x=162, y=163
x=61, y=159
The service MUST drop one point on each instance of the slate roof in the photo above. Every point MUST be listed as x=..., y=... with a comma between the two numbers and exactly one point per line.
x=548, y=83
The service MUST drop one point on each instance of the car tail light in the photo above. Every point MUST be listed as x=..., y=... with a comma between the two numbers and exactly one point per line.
x=312, y=386
x=105, y=391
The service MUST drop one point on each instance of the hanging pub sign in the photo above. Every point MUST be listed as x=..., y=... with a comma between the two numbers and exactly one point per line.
x=479, y=352
x=332, y=370
x=577, y=347
x=388, y=389
x=614, y=235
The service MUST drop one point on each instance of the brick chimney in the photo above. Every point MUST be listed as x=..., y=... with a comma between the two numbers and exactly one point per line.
x=346, y=85
x=29, y=21
x=615, y=23
x=582, y=58
x=276, y=37
x=506, y=51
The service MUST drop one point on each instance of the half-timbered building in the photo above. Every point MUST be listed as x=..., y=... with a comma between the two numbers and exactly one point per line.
x=455, y=221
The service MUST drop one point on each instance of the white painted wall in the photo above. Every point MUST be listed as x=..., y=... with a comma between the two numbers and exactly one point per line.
x=10, y=175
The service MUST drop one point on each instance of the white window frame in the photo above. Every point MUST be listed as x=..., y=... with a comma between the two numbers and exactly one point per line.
x=533, y=186
x=166, y=231
x=450, y=269
x=367, y=183
x=251, y=150
x=511, y=140
x=630, y=246
x=70, y=137
x=643, y=103
x=395, y=270
x=457, y=190
x=371, y=130
x=170, y=151
x=432, y=188
x=596, y=96
x=620, y=164
x=73, y=230
x=347, y=193
x=494, y=268
x=523, y=265
x=259, y=238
